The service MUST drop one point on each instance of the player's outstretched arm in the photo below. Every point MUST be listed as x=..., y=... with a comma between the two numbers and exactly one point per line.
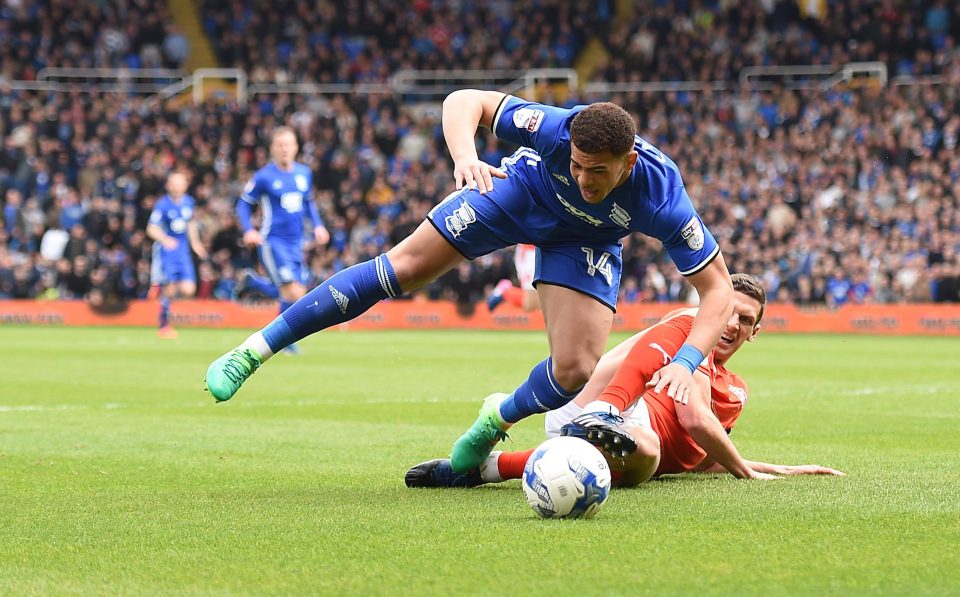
x=710, y=466
x=790, y=470
x=716, y=304
x=463, y=111
x=702, y=425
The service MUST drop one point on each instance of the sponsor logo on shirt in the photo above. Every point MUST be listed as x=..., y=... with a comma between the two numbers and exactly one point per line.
x=292, y=201
x=528, y=118
x=589, y=219
x=693, y=234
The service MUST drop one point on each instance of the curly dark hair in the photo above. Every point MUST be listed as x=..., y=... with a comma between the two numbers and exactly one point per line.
x=751, y=287
x=603, y=127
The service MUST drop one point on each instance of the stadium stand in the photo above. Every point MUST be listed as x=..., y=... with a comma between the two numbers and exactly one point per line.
x=367, y=42
x=843, y=194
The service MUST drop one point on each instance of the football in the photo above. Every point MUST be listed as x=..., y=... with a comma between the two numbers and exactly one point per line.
x=566, y=477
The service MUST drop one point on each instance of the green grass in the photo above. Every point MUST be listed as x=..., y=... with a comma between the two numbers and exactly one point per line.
x=118, y=474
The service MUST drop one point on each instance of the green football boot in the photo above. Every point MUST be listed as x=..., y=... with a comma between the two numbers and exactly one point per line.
x=227, y=374
x=473, y=447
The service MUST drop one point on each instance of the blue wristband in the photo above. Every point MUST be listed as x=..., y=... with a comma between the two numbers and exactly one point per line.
x=689, y=356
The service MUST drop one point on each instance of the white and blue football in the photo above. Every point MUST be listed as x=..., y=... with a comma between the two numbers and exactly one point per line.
x=566, y=477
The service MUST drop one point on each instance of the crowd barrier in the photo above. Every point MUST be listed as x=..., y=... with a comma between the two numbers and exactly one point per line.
x=931, y=320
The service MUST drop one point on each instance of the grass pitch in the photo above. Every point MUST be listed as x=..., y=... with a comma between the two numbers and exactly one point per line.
x=118, y=474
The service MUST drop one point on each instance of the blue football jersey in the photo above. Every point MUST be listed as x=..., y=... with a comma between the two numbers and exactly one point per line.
x=173, y=217
x=652, y=201
x=284, y=198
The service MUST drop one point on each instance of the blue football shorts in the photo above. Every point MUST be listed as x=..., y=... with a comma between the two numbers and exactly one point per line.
x=478, y=224
x=169, y=267
x=283, y=261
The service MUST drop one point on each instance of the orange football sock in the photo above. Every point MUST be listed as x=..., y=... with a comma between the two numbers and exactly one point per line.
x=510, y=464
x=649, y=354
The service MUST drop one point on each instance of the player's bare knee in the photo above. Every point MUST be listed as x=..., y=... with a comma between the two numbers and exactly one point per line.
x=412, y=271
x=647, y=446
x=573, y=371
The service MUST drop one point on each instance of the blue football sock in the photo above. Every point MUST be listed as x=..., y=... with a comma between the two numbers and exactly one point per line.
x=164, y=311
x=262, y=285
x=538, y=394
x=284, y=305
x=340, y=298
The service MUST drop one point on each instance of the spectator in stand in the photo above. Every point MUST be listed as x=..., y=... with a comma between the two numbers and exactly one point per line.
x=794, y=182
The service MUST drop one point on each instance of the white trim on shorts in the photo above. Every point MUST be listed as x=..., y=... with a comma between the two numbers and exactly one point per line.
x=525, y=261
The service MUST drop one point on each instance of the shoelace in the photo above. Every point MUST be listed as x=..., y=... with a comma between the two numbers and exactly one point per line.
x=610, y=418
x=498, y=433
x=238, y=368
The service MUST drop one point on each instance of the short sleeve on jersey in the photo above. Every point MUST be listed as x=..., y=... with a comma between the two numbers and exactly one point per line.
x=688, y=242
x=530, y=124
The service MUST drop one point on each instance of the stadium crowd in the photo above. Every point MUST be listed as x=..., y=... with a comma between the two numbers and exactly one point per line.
x=701, y=40
x=366, y=42
x=844, y=195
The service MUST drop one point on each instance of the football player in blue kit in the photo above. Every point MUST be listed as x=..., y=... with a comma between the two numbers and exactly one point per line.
x=174, y=232
x=282, y=189
x=581, y=181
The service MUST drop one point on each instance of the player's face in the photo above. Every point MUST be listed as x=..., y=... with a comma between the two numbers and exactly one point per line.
x=741, y=327
x=599, y=173
x=283, y=149
x=176, y=185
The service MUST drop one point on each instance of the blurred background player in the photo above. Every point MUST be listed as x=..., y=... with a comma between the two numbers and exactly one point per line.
x=671, y=437
x=524, y=296
x=174, y=231
x=283, y=190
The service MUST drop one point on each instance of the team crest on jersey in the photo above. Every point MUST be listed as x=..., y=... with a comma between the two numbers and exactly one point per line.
x=561, y=178
x=740, y=393
x=301, y=181
x=619, y=216
x=693, y=234
x=589, y=219
x=462, y=217
x=528, y=118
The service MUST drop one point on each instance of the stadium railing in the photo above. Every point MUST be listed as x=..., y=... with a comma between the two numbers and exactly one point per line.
x=822, y=76
x=163, y=84
x=105, y=80
x=158, y=84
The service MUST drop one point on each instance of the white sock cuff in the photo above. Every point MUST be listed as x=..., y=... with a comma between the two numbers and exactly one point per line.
x=258, y=344
x=489, y=470
x=599, y=406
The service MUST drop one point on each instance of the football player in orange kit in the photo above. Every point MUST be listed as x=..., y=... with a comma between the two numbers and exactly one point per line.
x=672, y=437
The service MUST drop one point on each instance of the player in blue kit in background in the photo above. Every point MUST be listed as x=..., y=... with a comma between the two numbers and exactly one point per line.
x=283, y=190
x=174, y=232
x=582, y=181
